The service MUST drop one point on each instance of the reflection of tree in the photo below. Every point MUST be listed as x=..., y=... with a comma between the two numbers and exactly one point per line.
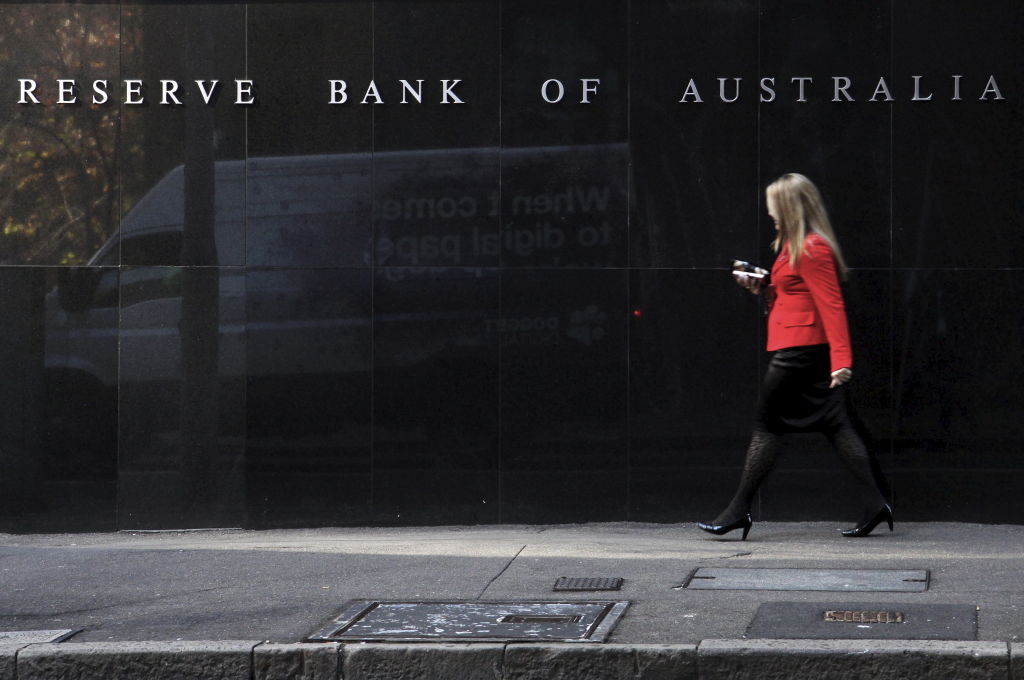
x=58, y=164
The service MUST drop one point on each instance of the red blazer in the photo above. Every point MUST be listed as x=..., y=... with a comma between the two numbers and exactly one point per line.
x=806, y=304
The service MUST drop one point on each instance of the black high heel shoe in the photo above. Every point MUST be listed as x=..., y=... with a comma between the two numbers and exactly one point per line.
x=744, y=522
x=869, y=526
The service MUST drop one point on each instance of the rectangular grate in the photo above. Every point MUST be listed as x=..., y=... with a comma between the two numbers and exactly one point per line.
x=583, y=583
x=521, y=618
x=374, y=620
x=839, y=580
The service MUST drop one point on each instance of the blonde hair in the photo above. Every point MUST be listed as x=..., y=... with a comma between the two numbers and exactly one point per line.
x=800, y=210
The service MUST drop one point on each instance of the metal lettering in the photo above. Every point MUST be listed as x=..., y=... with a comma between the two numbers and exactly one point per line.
x=850, y=616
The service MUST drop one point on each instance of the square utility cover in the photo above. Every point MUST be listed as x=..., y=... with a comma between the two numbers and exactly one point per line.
x=583, y=621
x=859, y=621
x=840, y=580
x=35, y=636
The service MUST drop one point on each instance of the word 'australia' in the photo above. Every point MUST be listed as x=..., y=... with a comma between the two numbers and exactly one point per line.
x=842, y=89
x=411, y=92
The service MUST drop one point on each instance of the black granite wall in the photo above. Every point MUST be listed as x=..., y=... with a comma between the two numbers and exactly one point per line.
x=297, y=313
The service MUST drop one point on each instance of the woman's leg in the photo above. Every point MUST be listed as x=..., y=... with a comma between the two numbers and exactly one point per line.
x=765, y=441
x=848, y=442
x=759, y=463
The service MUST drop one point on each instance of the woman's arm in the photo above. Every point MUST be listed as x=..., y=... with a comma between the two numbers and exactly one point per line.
x=818, y=270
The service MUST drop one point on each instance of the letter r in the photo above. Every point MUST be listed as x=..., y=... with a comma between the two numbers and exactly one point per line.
x=27, y=88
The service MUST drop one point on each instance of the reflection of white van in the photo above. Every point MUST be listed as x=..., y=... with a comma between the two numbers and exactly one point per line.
x=437, y=208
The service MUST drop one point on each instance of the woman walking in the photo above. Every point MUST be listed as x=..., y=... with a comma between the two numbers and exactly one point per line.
x=804, y=387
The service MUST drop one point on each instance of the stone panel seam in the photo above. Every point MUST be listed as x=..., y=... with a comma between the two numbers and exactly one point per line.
x=252, y=657
x=17, y=653
x=338, y=647
x=342, y=653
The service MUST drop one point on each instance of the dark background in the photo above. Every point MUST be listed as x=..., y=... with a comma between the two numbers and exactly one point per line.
x=296, y=314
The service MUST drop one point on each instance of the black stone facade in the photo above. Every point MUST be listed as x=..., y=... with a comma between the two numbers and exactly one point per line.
x=505, y=310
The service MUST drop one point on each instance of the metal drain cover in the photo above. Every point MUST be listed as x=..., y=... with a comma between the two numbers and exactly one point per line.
x=839, y=580
x=34, y=636
x=864, y=621
x=368, y=620
x=582, y=583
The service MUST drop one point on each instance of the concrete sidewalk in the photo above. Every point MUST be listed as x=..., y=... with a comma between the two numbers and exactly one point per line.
x=225, y=604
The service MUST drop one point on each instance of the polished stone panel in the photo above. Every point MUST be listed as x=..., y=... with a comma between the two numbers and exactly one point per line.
x=309, y=191
x=294, y=50
x=563, y=206
x=506, y=309
x=837, y=136
x=59, y=396
x=570, y=42
x=957, y=362
x=695, y=182
x=308, y=211
x=563, y=394
x=695, y=339
x=957, y=163
x=564, y=168
x=436, y=208
x=61, y=163
x=437, y=113
x=436, y=395
x=181, y=196
x=181, y=377
x=307, y=396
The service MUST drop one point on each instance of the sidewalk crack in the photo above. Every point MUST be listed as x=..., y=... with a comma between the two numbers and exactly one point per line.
x=503, y=570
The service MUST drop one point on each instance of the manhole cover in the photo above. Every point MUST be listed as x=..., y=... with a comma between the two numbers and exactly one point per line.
x=864, y=621
x=34, y=636
x=585, y=621
x=840, y=580
x=577, y=583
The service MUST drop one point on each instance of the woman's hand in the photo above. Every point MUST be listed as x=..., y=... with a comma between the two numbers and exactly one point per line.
x=841, y=377
x=745, y=280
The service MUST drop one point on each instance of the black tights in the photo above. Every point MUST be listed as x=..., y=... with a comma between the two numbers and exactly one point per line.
x=761, y=454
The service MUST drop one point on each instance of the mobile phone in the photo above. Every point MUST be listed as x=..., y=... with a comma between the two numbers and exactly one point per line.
x=747, y=268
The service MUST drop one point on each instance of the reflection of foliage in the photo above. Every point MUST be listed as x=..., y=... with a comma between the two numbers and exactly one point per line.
x=58, y=164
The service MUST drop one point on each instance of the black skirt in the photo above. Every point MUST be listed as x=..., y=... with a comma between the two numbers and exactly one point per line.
x=795, y=394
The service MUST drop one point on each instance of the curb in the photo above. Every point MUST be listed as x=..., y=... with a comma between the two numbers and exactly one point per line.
x=708, y=660
x=770, y=659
